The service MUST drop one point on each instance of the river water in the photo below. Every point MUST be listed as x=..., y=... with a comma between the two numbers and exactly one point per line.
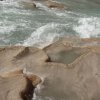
x=39, y=27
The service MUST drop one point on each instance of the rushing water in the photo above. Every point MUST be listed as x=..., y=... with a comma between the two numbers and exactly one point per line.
x=39, y=27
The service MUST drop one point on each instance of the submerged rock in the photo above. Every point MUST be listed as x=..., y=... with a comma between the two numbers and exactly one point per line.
x=31, y=4
x=28, y=4
x=54, y=4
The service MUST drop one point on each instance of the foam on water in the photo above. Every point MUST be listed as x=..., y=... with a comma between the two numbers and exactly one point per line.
x=8, y=3
x=38, y=90
x=45, y=35
x=6, y=29
x=41, y=6
x=55, y=25
x=59, y=13
x=88, y=27
x=49, y=25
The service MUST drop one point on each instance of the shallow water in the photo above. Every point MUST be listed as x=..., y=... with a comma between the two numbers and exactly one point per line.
x=23, y=26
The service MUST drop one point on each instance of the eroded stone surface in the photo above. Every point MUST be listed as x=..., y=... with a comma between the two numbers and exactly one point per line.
x=15, y=85
x=15, y=57
x=76, y=80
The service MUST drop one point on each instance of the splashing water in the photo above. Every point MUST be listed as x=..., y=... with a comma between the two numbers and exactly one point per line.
x=45, y=35
x=88, y=27
x=40, y=27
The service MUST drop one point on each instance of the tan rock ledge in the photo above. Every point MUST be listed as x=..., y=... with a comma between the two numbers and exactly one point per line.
x=15, y=85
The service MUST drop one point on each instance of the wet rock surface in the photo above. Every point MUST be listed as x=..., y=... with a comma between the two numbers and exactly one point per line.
x=69, y=69
x=15, y=85
x=32, y=4
x=53, y=4
x=28, y=4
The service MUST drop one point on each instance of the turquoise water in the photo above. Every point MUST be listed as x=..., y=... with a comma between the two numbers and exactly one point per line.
x=39, y=27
